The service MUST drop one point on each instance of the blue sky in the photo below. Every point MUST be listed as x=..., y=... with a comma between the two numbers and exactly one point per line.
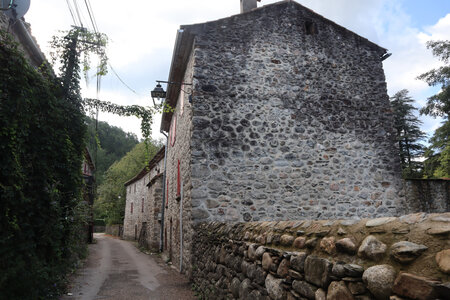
x=142, y=35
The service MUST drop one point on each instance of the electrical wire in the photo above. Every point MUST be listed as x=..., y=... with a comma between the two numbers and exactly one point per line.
x=71, y=12
x=118, y=77
x=91, y=15
x=78, y=12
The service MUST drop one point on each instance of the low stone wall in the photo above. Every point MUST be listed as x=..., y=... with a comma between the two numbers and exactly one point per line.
x=428, y=195
x=385, y=258
x=99, y=228
x=114, y=230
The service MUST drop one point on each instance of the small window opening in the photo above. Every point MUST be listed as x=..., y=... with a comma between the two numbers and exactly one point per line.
x=310, y=28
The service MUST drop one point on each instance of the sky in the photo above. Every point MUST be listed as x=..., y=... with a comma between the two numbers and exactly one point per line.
x=142, y=35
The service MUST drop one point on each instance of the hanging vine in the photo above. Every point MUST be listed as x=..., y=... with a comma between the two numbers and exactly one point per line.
x=75, y=49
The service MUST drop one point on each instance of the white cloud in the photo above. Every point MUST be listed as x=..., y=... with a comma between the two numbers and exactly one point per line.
x=142, y=35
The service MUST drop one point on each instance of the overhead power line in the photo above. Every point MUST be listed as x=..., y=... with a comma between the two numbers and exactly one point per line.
x=118, y=77
x=71, y=13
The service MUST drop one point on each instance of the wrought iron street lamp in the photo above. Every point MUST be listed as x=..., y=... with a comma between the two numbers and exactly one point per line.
x=158, y=92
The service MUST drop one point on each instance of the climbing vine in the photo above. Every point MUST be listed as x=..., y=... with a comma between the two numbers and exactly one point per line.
x=43, y=216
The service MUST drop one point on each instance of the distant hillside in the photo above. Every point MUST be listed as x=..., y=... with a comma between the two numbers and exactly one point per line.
x=114, y=143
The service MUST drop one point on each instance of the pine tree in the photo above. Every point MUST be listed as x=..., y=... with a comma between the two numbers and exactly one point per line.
x=437, y=163
x=409, y=135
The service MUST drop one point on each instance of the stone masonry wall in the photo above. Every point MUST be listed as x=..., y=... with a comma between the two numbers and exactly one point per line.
x=385, y=258
x=180, y=151
x=154, y=200
x=427, y=195
x=289, y=124
x=136, y=194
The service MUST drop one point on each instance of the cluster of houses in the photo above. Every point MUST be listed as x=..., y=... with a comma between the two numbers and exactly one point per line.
x=288, y=118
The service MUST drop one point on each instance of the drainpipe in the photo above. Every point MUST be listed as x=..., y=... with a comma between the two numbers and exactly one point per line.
x=181, y=226
x=161, y=235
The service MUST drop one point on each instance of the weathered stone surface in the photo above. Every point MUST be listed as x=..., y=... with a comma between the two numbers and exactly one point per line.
x=298, y=261
x=295, y=275
x=299, y=242
x=252, y=252
x=439, y=229
x=357, y=288
x=379, y=221
x=443, y=260
x=266, y=261
x=235, y=285
x=338, y=291
x=406, y=252
x=311, y=243
x=274, y=288
x=318, y=271
x=259, y=252
x=379, y=280
x=320, y=295
x=283, y=268
x=353, y=270
x=245, y=289
x=415, y=287
x=286, y=240
x=328, y=245
x=346, y=245
x=372, y=248
x=338, y=270
x=304, y=289
x=199, y=213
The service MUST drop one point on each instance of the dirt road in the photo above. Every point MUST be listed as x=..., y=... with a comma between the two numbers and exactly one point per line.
x=116, y=270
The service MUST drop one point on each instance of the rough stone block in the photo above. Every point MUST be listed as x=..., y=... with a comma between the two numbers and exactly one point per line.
x=318, y=271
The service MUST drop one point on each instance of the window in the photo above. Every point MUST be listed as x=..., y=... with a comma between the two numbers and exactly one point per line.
x=178, y=179
x=142, y=208
x=173, y=130
x=135, y=188
x=131, y=208
x=310, y=28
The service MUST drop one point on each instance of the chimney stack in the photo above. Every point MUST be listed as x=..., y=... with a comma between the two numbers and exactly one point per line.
x=248, y=5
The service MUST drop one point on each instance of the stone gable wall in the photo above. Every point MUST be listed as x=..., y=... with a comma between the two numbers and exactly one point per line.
x=290, y=125
x=406, y=257
x=181, y=150
x=136, y=193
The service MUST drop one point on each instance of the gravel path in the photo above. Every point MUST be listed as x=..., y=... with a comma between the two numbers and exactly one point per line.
x=116, y=270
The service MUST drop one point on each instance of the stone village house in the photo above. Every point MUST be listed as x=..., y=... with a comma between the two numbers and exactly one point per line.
x=143, y=203
x=288, y=119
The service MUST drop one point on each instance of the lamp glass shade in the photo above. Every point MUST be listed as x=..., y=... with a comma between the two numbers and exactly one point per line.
x=158, y=92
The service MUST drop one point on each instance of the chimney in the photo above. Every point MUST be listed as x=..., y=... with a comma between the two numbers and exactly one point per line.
x=248, y=5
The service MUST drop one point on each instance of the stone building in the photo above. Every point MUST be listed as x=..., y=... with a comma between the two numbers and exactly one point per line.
x=143, y=203
x=288, y=118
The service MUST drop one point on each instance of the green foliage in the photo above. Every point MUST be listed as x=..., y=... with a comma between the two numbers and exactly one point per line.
x=112, y=144
x=437, y=163
x=41, y=140
x=408, y=134
x=111, y=194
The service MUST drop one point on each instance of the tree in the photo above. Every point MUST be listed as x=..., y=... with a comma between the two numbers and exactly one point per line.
x=112, y=144
x=437, y=163
x=111, y=194
x=408, y=133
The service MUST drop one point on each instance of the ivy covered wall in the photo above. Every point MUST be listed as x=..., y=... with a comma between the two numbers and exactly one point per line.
x=42, y=215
